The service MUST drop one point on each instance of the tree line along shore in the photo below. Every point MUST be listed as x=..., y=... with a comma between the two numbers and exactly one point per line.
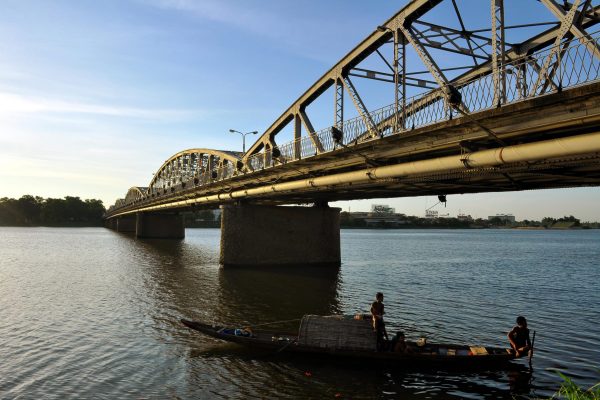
x=74, y=212
x=347, y=220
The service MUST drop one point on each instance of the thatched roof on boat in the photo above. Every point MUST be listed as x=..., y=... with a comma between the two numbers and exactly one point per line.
x=337, y=332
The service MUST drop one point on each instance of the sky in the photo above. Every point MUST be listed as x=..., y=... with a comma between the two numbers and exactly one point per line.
x=95, y=96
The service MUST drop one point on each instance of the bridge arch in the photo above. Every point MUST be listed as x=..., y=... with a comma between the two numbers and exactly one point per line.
x=194, y=167
x=135, y=193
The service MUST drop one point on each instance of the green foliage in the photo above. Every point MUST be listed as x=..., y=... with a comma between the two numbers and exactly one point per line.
x=548, y=221
x=570, y=391
x=359, y=220
x=497, y=221
x=35, y=211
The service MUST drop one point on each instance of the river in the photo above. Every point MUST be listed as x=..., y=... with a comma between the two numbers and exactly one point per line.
x=91, y=313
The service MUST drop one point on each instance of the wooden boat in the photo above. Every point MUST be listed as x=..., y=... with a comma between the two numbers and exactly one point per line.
x=357, y=343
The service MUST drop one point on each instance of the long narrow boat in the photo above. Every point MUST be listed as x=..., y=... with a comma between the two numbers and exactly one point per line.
x=330, y=344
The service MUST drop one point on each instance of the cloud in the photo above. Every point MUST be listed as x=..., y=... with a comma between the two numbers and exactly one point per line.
x=11, y=104
x=219, y=11
x=298, y=33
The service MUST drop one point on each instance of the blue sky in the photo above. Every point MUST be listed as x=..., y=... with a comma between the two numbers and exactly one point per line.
x=95, y=95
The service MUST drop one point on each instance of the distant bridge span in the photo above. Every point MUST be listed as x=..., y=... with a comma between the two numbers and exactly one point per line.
x=470, y=110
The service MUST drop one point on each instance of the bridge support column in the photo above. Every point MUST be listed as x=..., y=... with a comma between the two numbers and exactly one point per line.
x=273, y=235
x=160, y=226
x=110, y=223
x=126, y=224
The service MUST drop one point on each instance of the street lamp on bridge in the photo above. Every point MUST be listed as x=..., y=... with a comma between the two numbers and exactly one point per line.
x=243, y=137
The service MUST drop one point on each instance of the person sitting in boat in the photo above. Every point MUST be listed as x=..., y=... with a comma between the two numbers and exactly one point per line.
x=398, y=344
x=519, y=337
x=377, y=311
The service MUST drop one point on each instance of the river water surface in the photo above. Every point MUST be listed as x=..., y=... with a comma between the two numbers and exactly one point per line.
x=90, y=313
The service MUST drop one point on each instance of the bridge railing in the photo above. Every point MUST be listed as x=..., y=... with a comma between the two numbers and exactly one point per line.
x=547, y=71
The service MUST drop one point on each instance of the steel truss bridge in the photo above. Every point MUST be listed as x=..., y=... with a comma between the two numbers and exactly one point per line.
x=473, y=111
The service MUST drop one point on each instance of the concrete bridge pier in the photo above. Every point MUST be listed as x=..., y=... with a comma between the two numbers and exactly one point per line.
x=273, y=235
x=126, y=223
x=159, y=226
x=110, y=223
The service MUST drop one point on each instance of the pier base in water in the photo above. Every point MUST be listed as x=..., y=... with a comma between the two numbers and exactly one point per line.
x=160, y=226
x=273, y=235
x=126, y=224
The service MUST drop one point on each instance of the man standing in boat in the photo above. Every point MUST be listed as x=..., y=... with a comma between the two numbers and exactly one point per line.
x=377, y=311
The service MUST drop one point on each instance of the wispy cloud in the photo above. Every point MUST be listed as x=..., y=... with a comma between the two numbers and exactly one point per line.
x=11, y=103
x=300, y=34
x=223, y=12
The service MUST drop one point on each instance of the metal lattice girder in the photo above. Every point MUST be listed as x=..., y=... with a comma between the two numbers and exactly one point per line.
x=565, y=26
x=191, y=163
x=135, y=193
x=537, y=42
x=399, y=79
x=297, y=136
x=409, y=13
x=463, y=29
x=311, y=130
x=424, y=55
x=339, y=104
x=576, y=29
x=550, y=75
x=444, y=38
x=389, y=77
x=360, y=107
x=431, y=65
x=497, y=8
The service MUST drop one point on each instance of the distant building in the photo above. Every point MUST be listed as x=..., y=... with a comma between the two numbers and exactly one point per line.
x=431, y=214
x=464, y=217
x=380, y=215
x=503, y=217
x=382, y=209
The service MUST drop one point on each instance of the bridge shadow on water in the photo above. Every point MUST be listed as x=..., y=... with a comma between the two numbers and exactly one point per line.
x=279, y=293
x=188, y=275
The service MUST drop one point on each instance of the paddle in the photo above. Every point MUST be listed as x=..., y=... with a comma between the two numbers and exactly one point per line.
x=531, y=350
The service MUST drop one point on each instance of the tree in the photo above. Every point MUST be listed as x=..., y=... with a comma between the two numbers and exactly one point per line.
x=548, y=221
x=8, y=212
x=497, y=221
x=30, y=209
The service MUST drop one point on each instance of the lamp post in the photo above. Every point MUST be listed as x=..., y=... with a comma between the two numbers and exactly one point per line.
x=243, y=137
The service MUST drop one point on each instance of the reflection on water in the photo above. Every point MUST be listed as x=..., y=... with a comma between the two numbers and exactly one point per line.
x=93, y=313
x=261, y=295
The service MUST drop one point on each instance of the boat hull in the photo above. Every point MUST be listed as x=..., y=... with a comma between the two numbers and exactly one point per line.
x=429, y=355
